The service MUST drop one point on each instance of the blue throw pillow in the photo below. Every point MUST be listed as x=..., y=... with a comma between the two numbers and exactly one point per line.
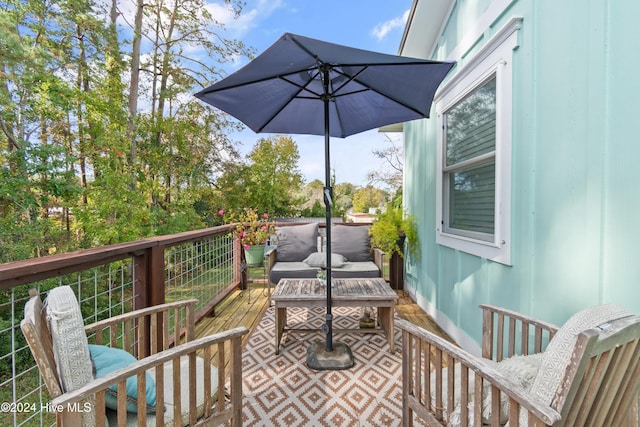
x=107, y=360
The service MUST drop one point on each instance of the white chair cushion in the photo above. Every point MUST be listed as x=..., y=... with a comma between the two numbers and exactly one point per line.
x=132, y=418
x=70, y=345
x=519, y=369
x=557, y=355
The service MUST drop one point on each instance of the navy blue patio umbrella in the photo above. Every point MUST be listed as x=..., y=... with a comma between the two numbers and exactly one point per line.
x=301, y=85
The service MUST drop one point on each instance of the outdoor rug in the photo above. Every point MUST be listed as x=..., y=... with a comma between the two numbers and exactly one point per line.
x=280, y=390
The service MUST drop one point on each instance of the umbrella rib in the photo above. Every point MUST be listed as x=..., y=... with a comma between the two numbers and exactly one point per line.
x=299, y=86
x=338, y=69
x=354, y=78
x=211, y=88
x=390, y=96
x=300, y=89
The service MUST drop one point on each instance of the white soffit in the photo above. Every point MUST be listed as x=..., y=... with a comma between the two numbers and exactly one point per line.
x=397, y=127
x=426, y=20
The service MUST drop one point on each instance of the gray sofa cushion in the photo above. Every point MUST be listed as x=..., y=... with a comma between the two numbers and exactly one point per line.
x=291, y=270
x=296, y=242
x=300, y=270
x=356, y=270
x=352, y=242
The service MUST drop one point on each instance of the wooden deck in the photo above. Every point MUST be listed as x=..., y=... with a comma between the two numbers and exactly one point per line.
x=245, y=308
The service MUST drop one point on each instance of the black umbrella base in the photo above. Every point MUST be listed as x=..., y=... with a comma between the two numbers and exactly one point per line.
x=320, y=359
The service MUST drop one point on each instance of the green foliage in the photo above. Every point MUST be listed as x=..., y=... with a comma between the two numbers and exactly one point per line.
x=74, y=172
x=269, y=179
x=317, y=210
x=389, y=228
x=273, y=175
x=367, y=198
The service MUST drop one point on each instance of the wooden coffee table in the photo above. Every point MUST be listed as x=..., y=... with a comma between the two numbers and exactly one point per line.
x=345, y=293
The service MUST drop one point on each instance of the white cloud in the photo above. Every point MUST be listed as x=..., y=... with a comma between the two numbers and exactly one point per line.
x=249, y=17
x=381, y=30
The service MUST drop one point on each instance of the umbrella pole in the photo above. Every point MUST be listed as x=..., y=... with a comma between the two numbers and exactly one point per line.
x=328, y=202
x=339, y=356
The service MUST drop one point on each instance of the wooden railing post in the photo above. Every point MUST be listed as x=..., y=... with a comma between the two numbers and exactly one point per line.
x=148, y=280
x=148, y=289
x=156, y=276
x=140, y=279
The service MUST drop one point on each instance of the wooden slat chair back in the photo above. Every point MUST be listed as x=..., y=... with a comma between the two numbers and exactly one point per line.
x=602, y=381
x=36, y=332
x=598, y=385
x=180, y=366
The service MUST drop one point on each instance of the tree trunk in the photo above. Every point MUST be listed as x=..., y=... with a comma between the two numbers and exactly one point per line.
x=134, y=86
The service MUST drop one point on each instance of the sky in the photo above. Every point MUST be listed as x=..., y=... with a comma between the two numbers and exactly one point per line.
x=366, y=24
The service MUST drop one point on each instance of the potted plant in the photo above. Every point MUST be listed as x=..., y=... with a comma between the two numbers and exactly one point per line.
x=390, y=230
x=252, y=231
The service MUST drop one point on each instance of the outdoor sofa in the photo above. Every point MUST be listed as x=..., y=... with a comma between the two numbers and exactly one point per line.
x=299, y=253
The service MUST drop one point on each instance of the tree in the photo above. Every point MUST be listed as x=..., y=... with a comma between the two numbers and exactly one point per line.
x=268, y=180
x=71, y=129
x=391, y=175
x=274, y=175
x=368, y=197
x=172, y=28
x=44, y=113
x=343, y=195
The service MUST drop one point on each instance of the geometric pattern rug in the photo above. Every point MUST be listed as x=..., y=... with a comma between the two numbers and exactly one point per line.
x=281, y=390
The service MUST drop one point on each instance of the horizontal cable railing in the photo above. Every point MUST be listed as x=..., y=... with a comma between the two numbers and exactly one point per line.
x=102, y=292
x=111, y=280
x=203, y=264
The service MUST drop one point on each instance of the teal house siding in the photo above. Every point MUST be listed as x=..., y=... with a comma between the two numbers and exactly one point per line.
x=575, y=169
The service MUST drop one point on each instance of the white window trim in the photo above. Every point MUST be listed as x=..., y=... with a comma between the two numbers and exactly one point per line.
x=494, y=58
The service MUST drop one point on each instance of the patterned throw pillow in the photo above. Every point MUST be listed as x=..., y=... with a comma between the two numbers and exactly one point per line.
x=70, y=345
x=557, y=355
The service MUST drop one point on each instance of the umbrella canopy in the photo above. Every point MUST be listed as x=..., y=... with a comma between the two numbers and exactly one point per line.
x=301, y=85
x=281, y=91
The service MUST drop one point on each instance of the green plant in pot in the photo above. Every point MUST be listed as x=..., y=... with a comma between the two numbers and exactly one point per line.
x=252, y=230
x=390, y=230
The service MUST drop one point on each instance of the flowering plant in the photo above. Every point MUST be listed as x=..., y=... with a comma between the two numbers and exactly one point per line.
x=252, y=228
x=321, y=275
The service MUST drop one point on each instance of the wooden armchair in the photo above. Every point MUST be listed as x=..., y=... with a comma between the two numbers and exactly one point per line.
x=188, y=388
x=588, y=374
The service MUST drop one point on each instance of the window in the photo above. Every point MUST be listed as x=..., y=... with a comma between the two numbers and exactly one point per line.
x=470, y=164
x=474, y=153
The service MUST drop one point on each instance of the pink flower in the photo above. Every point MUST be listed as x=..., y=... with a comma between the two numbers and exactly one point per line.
x=264, y=227
x=265, y=215
x=221, y=212
x=246, y=246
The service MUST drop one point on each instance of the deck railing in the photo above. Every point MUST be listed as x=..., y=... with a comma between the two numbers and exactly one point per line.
x=110, y=280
